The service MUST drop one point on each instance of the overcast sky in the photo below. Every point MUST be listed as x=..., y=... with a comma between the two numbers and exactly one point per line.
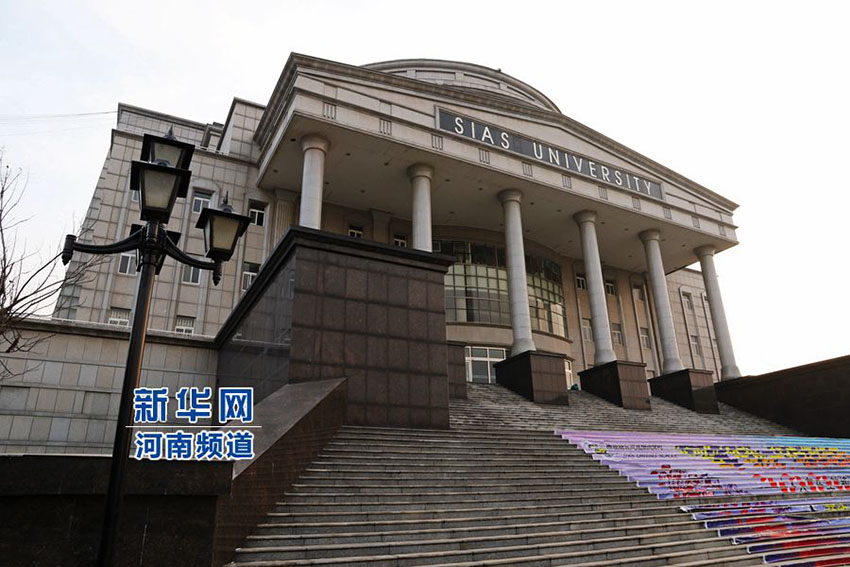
x=747, y=98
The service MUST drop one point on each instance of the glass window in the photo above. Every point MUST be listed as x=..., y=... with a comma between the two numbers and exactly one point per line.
x=581, y=282
x=120, y=317
x=610, y=287
x=200, y=200
x=688, y=300
x=568, y=371
x=695, y=346
x=400, y=240
x=644, y=338
x=480, y=363
x=617, y=334
x=184, y=325
x=586, y=330
x=191, y=275
x=257, y=212
x=127, y=263
x=639, y=293
x=249, y=273
x=355, y=231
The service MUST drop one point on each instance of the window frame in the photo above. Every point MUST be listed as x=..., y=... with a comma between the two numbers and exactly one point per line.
x=192, y=270
x=617, y=335
x=696, y=347
x=248, y=272
x=586, y=329
x=611, y=288
x=490, y=359
x=400, y=240
x=118, y=321
x=257, y=213
x=581, y=282
x=355, y=231
x=130, y=257
x=199, y=195
x=184, y=329
x=645, y=339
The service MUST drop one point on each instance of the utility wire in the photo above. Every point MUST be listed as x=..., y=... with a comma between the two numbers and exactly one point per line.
x=27, y=117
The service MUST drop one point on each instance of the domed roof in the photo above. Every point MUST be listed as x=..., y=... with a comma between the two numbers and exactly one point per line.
x=466, y=76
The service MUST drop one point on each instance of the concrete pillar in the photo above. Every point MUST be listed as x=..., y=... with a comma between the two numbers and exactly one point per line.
x=517, y=280
x=420, y=180
x=728, y=366
x=599, y=323
x=313, y=180
x=670, y=361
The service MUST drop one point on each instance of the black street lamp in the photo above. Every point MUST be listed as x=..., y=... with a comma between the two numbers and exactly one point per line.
x=161, y=178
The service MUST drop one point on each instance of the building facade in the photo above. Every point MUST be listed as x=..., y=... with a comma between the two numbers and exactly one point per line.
x=565, y=241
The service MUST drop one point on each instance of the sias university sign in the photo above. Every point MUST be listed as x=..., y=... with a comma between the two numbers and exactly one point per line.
x=542, y=152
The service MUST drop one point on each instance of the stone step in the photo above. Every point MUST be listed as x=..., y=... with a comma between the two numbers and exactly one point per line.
x=563, y=553
x=314, y=483
x=446, y=451
x=599, y=510
x=456, y=467
x=371, y=494
x=570, y=530
x=345, y=503
x=580, y=520
x=353, y=547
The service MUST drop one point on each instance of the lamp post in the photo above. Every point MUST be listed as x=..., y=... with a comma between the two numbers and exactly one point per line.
x=160, y=177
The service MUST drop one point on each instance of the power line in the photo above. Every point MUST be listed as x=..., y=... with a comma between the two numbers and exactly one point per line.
x=27, y=117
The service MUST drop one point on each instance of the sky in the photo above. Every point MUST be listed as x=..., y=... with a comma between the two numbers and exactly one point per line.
x=750, y=99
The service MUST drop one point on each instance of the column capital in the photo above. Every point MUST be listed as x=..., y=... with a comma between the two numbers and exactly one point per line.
x=585, y=216
x=706, y=250
x=315, y=141
x=420, y=170
x=510, y=195
x=650, y=234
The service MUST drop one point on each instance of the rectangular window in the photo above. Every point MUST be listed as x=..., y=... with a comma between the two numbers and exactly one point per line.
x=257, y=212
x=644, y=338
x=695, y=346
x=120, y=317
x=400, y=240
x=191, y=275
x=639, y=292
x=610, y=287
x=200, y=200
x=480, y=363
x=184, y=325
x=688, y=301
x=355, y=231
x=249, y=273
x=617, y=334
x=127, y=263
x=581, y=282
x=586, y=330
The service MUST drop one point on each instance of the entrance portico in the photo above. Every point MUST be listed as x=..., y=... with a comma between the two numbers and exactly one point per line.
x=581, y=196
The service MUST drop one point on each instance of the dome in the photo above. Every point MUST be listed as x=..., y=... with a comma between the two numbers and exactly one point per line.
x=466, y=76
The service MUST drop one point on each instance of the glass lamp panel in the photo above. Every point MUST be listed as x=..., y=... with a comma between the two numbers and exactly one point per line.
x=157, y=188
x=224, y=232
x=167, y=153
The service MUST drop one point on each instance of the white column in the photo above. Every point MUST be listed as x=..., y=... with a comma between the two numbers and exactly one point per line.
x=517, y=280
x=313, y=180
x=728, y=366
x=595, y=289
x=420, y=180
x=658, y=280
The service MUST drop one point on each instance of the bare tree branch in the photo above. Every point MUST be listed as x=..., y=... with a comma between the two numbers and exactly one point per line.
x=27, y=284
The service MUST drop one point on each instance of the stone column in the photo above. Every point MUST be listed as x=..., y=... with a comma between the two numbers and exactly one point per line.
x=420, y=179
x=517, y=280
x=657, y=278
x=599, y=323
x=728, y=366
x=312, y=183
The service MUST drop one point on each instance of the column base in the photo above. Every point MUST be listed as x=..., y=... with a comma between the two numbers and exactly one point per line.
x=689, y=388
x=537, y=376
x=619, y=382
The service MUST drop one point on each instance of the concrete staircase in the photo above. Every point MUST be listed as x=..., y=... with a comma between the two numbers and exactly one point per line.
x=497, y=489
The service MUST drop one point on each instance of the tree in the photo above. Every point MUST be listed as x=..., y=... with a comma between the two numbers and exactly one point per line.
x=26, y=284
